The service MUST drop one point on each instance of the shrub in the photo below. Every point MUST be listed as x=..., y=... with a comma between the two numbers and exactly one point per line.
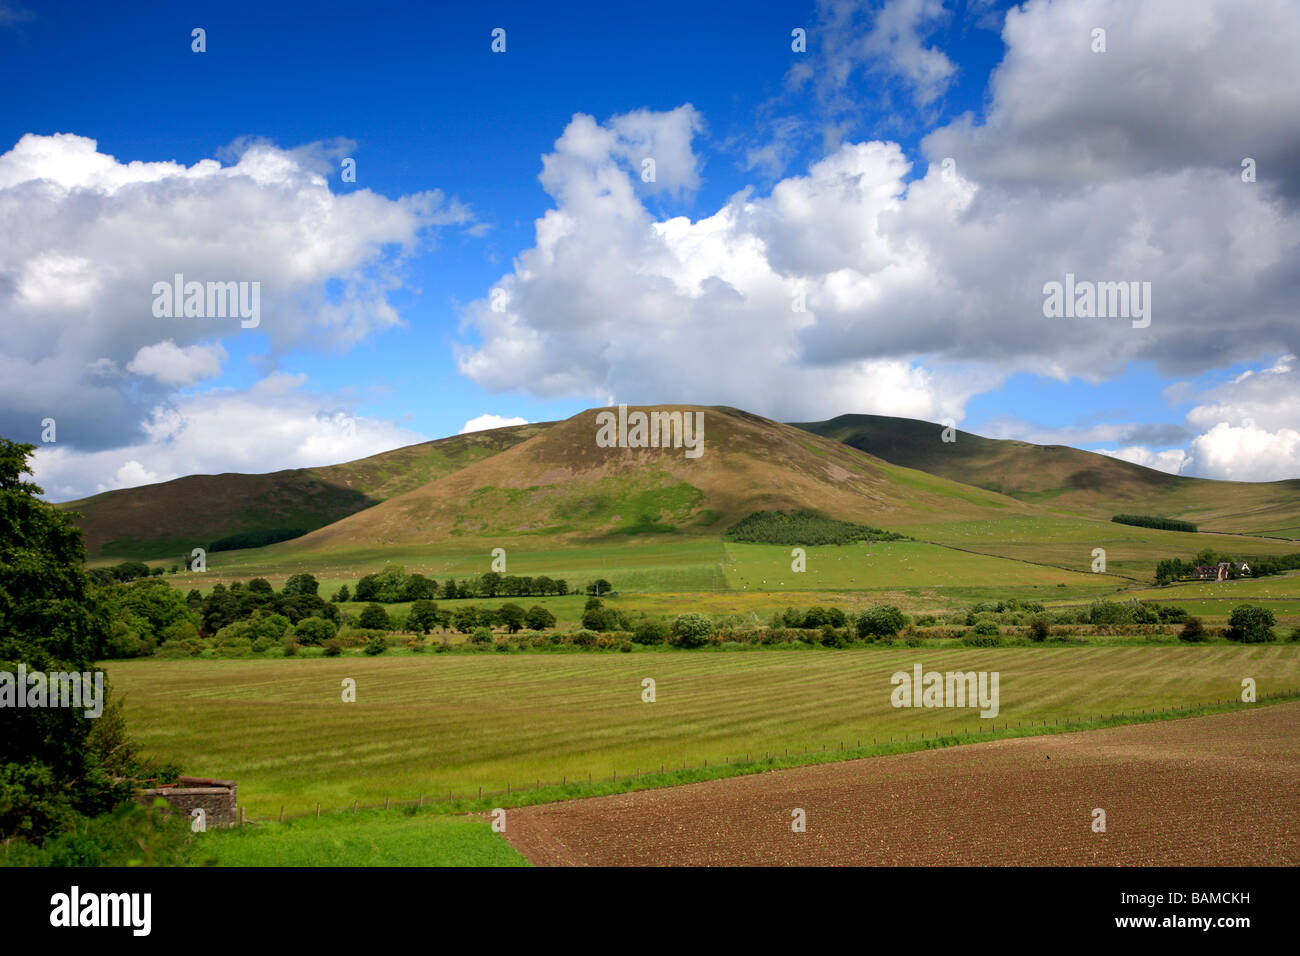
x=973, y=639
x=1250, y=624
x=290, y=647
x=883, y=620
x=1109, y=613
x=235, y=647
x=692, y=630
x=373, y=616
x=583, y=638
x=342, y=594
x=833, y=637
x=274, y=626
x=986, y=628
x=376, y=644
x=314, y=630
x=481, y=635
x=625, y=647
x=1038, y=629
x=263, y=644
x=650, y=631
x=1193, y=631
x=333, y=647
x=1172, y=615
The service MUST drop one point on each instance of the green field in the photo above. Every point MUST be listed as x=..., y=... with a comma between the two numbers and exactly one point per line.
x=433, y=724
x=893, y=565
x=371, y=838
x=1068, y=542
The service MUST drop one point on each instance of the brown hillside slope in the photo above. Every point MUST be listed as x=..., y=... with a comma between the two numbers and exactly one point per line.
x=561, y=484
x=1070, y=479
x=169, y=518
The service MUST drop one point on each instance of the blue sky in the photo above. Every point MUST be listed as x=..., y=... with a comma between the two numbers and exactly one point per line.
x=425, y=105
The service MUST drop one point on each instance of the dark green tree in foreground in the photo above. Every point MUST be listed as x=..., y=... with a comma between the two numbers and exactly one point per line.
x=52, y=765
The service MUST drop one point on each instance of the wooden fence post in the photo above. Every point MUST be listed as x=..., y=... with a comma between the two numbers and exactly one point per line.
x=282, y=813
x=318, y=811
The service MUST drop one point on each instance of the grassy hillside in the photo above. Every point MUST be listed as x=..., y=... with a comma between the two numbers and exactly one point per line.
x=560, y=486
x=1068, y=479
x=168, y=519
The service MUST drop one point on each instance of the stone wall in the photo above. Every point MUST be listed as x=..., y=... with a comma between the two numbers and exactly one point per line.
x=217, y=798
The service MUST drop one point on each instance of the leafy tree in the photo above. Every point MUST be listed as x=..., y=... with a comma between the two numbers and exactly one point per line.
x=692, y=630
x=391, y=584
x=597, y=618
x=50, y=620
x=367, y=588
x=424, y=616
x=599, y=586
x=373, y=616
x=1250, y=624
x=489, y=584
x=130, y=570
x=465, y=619
x=419, y=588
x=512, y=617
x=539, y=618
x=1193, y=631
x=342, y=595
x=301, y=584
x=883, y=620
x=261, y=586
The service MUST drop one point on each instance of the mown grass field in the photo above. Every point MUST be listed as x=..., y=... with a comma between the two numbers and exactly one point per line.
x=439, y=723
x=371, y=838
x=891, y=564
x=1068, y=542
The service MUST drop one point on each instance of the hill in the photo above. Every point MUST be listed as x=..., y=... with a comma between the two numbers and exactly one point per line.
x=561, y=486
x=1071, y=480
x=172, y=517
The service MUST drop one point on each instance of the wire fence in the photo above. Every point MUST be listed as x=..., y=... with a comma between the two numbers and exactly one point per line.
x=944, y=738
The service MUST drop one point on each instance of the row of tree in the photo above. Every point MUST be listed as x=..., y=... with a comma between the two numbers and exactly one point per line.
x=1154, y=521
x=393, y=585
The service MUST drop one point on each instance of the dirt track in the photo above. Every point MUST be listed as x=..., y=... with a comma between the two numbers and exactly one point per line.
x=1215, y=791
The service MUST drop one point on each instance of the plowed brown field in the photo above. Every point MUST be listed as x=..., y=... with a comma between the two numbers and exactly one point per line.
x=1222, y=790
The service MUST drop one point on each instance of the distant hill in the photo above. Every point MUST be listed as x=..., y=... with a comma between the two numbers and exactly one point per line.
x=1070, y=480
x=172, y=517
x=562, y=486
